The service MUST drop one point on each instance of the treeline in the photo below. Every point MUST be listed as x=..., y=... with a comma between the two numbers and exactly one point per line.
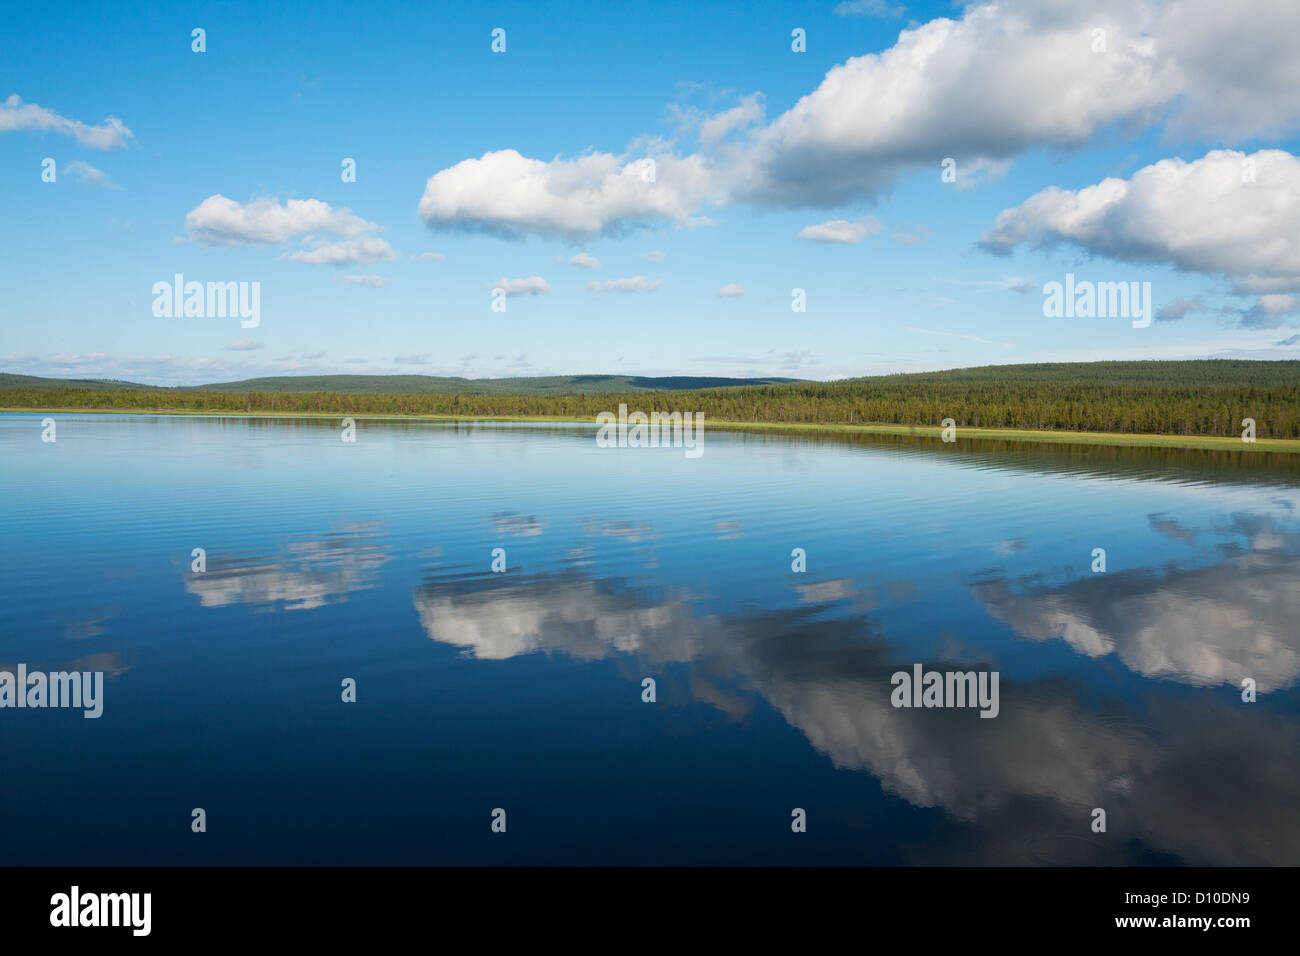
x=1210, y=409
x=1191, y=373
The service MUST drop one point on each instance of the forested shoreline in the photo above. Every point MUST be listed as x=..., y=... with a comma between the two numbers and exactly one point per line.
x=1206, y=409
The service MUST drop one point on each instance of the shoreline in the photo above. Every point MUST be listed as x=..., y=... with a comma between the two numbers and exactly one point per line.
x=1118, y=439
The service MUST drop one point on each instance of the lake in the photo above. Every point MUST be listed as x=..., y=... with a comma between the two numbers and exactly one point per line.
x=522, y=690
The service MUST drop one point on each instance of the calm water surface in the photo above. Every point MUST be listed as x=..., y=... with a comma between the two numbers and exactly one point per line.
x=523, y=690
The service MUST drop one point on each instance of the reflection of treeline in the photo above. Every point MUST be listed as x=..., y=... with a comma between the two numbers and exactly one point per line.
x=1163, y=463
x=1197, y=408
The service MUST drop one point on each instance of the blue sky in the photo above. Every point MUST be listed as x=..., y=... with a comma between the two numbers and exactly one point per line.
x=474, y=167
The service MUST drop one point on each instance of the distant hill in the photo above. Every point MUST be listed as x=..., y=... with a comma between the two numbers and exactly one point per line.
x=443, y=385
x=35, y=381
x=417, y=384
x=1235, y=372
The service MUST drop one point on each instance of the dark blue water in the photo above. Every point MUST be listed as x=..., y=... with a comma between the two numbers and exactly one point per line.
x=522, y=690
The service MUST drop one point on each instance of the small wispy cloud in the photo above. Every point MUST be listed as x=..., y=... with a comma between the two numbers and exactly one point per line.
x=910, y=237
x=979, y=172
x=868, y=8
x=1269, y=311
x=961, y=335
x=842, y=230
x=631, y=284
x=1178, y=309
x=86, y=173
x=533, y=285
x=1019, y=284
x=364, y=250
x=15, y=115
x=715, y=127
x=244, y=345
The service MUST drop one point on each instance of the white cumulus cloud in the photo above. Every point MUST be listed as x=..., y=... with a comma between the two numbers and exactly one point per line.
x=222, y=221
x=1226, y=214
x=510, y=195
x=981, y=88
